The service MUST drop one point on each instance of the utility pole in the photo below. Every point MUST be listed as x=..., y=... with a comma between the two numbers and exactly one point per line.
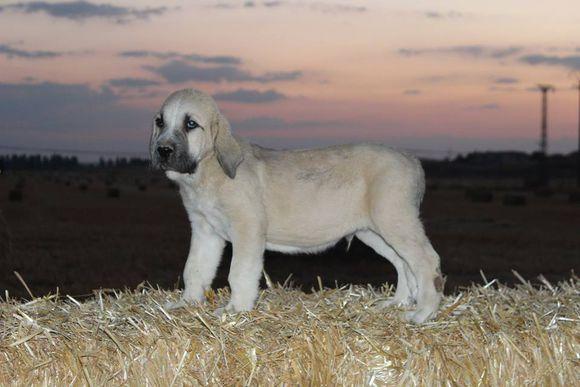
x=542, y=166
x=544, y=127
x=578, y=152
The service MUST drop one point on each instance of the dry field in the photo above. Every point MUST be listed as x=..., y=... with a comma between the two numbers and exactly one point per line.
x=67, y=232
x=490, y=335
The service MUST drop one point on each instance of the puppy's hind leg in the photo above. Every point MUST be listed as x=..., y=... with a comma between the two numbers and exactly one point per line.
x=406, y=283
x=407, y=237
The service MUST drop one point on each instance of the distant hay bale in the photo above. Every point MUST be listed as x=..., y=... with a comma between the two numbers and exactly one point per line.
x=113, y=192
x=479, y=195
x=574, y=197
x=492, y=335
x=514, y=200
x=20, y=184
x=432, y=187
x=141, y=186
x=534, y=182
x=544, y=192
x=83, y=187
x=5, y=239
x=16, y=195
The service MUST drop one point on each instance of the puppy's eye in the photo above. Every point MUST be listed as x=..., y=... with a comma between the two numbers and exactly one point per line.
x=191, y=124
x=159, y=122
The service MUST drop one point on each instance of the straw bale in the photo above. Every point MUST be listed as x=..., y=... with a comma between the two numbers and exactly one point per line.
x=5, y=238
x=484, y=335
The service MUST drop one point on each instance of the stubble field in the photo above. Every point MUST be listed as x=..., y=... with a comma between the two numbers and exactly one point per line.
x=71, y=232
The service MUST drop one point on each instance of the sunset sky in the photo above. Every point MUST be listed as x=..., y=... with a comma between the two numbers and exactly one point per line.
x=433, y=77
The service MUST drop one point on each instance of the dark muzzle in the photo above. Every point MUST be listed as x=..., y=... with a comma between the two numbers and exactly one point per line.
x=164, y=153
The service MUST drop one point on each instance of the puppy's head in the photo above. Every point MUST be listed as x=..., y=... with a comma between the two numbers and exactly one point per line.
x=188, y=128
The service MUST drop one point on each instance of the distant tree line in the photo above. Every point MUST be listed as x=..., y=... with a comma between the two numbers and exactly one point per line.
x=122, y=162
x=505, y=164
x=59, y=162
x=33, y=162
x=509, y=164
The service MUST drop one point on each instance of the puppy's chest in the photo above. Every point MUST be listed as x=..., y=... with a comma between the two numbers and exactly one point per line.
x=204, y=207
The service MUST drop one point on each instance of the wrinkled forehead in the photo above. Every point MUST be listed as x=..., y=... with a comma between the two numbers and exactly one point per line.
x=198, y=106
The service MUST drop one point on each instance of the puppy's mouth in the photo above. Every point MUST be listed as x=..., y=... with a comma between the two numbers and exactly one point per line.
x=189, y=167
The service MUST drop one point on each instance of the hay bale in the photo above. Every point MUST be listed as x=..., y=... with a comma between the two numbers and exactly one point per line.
x=479, y=195
x=20, y=184
x=514, y=200
x=574, y=197
x=492, y=335
x=544, y=192
x=142, y=187
x=431, y=187
x=16, y=195
x=113, y=193
x=83, y=187
x=5, y=239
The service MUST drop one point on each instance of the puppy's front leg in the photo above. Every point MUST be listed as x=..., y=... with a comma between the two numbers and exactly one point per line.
x=204, y=257
x=248, y=246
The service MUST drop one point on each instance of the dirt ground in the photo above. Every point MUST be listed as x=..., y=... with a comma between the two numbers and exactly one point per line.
x=70, y=231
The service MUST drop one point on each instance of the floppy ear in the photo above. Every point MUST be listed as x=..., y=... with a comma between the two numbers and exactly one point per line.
x=228, y=151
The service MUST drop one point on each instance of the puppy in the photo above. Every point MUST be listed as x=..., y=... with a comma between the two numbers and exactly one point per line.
x=290, y=201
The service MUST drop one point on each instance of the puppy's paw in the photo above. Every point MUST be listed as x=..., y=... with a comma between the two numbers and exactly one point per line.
x=181, y=303
x=419, y=316
x=224, y=310
x=394, y=302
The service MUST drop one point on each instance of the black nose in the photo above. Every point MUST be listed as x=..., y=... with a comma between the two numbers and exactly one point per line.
x=164, y=152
